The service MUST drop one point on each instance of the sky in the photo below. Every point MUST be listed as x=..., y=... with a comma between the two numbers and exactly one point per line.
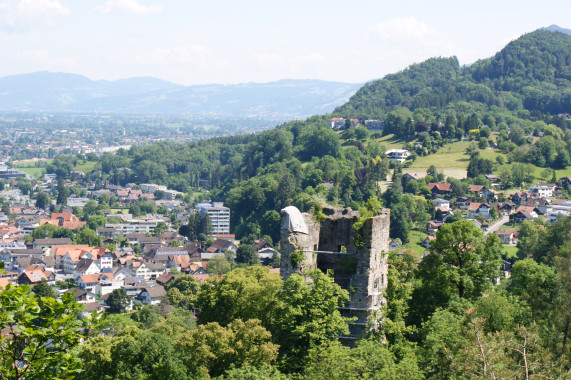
x=193, y=42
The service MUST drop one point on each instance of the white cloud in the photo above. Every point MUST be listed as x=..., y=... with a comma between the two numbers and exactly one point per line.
x=404, y=29
x=30, y=14
x=129, y=6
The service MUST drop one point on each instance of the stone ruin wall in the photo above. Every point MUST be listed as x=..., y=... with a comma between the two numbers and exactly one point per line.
x=362, y=271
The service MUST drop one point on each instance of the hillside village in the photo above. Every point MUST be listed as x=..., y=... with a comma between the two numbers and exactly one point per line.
x=421, y=230
x=142, y=253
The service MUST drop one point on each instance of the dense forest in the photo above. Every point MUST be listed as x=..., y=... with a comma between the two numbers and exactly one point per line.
x=530, y=76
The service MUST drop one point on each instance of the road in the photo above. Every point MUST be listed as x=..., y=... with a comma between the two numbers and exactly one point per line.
x=498, y=224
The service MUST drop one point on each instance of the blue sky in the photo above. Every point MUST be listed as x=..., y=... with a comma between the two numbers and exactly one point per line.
x=219, y=41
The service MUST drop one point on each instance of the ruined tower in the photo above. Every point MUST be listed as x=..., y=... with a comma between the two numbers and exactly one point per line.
x=308, y=244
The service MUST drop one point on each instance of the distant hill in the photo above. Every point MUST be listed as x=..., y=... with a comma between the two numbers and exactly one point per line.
x=555, y=28
x=60, y=92
x=532, y=72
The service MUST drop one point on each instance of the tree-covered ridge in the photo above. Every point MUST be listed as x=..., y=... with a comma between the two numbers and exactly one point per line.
x=532, y=72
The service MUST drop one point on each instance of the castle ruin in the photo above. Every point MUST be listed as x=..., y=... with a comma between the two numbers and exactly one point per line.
x=307, y=244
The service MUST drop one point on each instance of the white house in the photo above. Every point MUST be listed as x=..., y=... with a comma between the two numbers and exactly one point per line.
x=442, y=204
x=545, y=190
x=397, y=155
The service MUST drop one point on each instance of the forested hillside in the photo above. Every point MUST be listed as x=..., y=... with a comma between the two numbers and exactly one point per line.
x=531, y=73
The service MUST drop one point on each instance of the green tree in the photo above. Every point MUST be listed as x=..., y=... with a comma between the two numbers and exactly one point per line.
x=41, y=335
x=182, y=290
x=370, y=359
x=212, y=348
x=42, y=200
x=89, y=237
x=117, y=300
x=247, y=254
x=96, y=221
x=244, y=293
x=400, y=223
x=62, y=193
x=160, y=228
x=470, y=261
x=534, y=284
x=148, y=316
x=307, y=315
x=218, y=265
x=43, y=289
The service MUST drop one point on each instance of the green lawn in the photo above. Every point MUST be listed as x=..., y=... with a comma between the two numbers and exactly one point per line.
x=31, y=167
x=415, y=238
x=390, y=142
x=450, y=159
x=34, y=172
x=85, y=167
x=510, y=250
x=119, y=211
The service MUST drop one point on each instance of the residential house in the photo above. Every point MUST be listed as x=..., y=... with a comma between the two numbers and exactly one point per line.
x=494, y=180
x=82, y=295
x=397, y=155
x=544, y=190
x=463, y=202
x=34, y=275
x=433, y=225
x=441, y=204
x=508, y=237
x=165, y=278
x=265, y=251
x=479, y=209
x=151, y=295
x=491, y=194
x=107, y=232
x=440, y=188
x=506, y=208
x=46, y=244
x=336, y=123
x=88, y=281
x=393, y=244
x=85, y=266
x=91, y=307
x=414, y=176
x=478, y=189
x=219, y=246
x=65, y=220
x=531, y=210
x=426, y=242
x=8, y=255
x=521, y=216
x=149, y=271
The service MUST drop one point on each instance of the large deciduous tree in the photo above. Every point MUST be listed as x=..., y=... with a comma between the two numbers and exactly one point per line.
x=470, y=260
x=38, y=335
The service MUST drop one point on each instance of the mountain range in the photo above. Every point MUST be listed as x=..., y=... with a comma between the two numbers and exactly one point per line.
x=62, y=92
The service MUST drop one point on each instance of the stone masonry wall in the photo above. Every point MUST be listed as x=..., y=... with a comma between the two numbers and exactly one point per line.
x=362, y=271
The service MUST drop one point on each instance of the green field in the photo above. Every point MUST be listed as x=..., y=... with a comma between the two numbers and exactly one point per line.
x=390, y=142
x=34, y=172
x=415, y=238
x=85, y=167
x=451, y=159
x=37, y=168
